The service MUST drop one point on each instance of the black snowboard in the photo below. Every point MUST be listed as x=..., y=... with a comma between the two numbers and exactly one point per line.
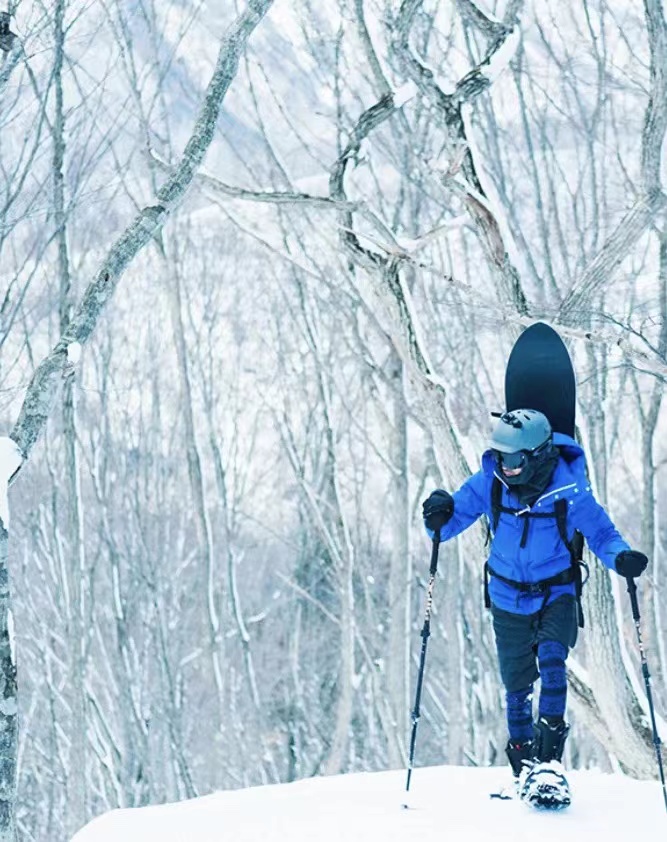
x=540, y=376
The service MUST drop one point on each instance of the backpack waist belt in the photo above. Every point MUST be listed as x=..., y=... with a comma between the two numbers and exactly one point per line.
x=541, y=588
x=565, y=577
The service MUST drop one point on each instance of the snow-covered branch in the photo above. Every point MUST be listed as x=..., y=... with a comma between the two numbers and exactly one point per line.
x=217, y=189
x=489, y=26
x=504, y=39
x=9, y=59
x=369, y=120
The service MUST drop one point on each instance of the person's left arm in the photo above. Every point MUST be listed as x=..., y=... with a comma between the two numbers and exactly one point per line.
x=590, y=518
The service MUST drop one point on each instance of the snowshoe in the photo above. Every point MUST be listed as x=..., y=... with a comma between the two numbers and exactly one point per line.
x=506, y=791
x=521, y=757
x=545, y=787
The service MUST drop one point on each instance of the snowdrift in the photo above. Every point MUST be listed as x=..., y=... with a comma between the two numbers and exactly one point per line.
x=445, y=803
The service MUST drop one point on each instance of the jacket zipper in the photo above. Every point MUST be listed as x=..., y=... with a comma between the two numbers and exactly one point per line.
x=528, y=509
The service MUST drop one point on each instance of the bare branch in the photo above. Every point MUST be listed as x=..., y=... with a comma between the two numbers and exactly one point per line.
x=215, y=188
x=488, y=26
x=652, y=203
x=46, y=379
x=615, y=249
x=369, y=120
x=655, y=124
x=7, y=37
x=450, y=105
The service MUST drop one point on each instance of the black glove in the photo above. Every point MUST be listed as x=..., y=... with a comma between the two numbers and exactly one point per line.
x=631, y=563
x=437, y=508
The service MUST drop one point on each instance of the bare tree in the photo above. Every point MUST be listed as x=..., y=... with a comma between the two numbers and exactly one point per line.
x=44, y=385
x=392, y=301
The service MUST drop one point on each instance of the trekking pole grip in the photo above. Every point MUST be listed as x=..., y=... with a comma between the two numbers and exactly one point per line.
x=632, y=590
x=434, y=553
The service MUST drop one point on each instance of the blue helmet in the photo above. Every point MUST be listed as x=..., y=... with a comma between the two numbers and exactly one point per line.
x=522, y=441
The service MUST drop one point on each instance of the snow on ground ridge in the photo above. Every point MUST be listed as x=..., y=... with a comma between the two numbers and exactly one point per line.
x=446, y=804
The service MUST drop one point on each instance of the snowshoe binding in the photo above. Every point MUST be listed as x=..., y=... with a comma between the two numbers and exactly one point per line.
x=542, y=784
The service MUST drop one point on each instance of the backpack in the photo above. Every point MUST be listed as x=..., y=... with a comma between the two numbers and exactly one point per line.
x=575, y=548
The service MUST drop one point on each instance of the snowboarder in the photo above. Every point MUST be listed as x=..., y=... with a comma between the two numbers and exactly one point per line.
x=534, y=491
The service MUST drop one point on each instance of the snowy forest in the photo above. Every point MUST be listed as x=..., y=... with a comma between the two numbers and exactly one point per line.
x=262, y=263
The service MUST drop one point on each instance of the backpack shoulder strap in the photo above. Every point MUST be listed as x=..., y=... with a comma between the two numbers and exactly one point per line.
x=576, y=549
x=576, y=545
x=560, y=508
x=496, y=502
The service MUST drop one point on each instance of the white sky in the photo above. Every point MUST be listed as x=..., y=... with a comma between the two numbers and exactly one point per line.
x=446, y=804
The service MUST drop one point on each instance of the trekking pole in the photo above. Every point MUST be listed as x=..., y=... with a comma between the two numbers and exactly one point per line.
x=632, y=590
x=425, y=634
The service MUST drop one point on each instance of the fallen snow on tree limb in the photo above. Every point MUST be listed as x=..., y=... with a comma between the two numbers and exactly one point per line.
x=10, y=462
x=413, y=245
x=74, y=352
x=405, y=93
x=502, y=56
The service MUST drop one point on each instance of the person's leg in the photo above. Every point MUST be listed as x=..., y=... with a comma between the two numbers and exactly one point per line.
x=520, y=714
x=557, y=633
x=515, y=638
x=521, y=747
x=551, y=729
x=551, y=655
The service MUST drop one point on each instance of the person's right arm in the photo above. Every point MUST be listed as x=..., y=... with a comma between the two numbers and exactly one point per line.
x=469, y=502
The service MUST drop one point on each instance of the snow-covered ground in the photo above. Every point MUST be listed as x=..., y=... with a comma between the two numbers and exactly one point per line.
x=446, y=803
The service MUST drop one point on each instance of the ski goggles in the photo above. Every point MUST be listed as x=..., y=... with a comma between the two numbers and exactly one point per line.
x=520, y=458
x=512, y=461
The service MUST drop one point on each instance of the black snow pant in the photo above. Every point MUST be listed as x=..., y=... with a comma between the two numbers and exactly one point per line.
x=530, y=646
x=519, y=635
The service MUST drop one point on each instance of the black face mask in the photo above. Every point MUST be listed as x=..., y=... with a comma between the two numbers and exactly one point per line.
x=536, y=472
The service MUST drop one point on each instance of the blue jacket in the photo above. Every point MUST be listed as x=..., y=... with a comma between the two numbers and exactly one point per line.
x=545, y=553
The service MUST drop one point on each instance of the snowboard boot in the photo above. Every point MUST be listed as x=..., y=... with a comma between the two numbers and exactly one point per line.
x=544, y=786
x=550, y=739
x=521, y=755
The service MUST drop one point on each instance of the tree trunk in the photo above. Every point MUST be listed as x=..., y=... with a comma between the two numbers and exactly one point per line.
x=629, y=739
x=76, y=624
x=8, y=700
x=44, y=387
x=204, y=535
x=398, y=656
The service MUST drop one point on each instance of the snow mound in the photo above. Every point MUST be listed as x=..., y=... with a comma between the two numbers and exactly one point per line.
x=445, y=804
